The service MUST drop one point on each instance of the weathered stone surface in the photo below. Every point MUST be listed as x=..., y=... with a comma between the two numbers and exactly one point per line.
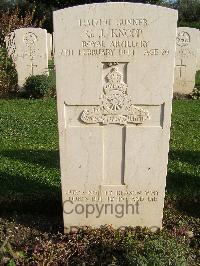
x=28, y=49
x=49, y=44
x=114, y=69
x=53, y=36
x=198, y=53
x=186, y=60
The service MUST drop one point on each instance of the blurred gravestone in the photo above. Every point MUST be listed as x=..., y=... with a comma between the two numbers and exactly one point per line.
x=53, y=39
x=198, y=53
x=186, y=60
x=28, y=49
x=49, y=44
x=114, y=70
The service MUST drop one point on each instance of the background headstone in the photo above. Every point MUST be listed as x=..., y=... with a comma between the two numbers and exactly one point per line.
x=186, y=60
x=49, y=44
x=28, y=49
x=53, y=37
x=114, y=70
x=198, y=53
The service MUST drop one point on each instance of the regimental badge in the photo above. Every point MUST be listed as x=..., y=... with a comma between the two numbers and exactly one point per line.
x=116, y=105
x=183, y=39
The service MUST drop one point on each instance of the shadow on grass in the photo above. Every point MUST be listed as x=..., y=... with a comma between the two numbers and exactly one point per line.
x=185, y=186
x=27, y=189
x=28, y=201
x=49, y=159
x=186, y=189
x=25, y=196
x=191, y=157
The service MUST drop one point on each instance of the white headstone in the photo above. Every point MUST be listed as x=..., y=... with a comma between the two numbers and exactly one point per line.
x=49, y=44
x=186, y=60
x=114, y=70
x=28, y=49
x=53, y=37
x=198, y=53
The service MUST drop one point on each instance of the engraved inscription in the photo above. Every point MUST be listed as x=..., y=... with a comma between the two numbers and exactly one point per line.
x=110, y=22
x=116, y=106
x=181, y=66
x=113, y=37
x=183, y=39
x=30, y=40
x=32, y=67
x=150, y=196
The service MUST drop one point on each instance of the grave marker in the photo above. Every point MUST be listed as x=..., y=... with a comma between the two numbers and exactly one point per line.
x=186, y=60
x=50, y=44
x=114, y=70
x=28, y=49
x=198, y=53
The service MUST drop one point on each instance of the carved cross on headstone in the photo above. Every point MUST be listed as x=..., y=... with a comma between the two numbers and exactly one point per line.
x=181, y=67
x=116, y=110
x=32, y=67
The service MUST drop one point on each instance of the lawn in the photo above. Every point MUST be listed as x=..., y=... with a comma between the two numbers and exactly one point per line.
x=197, y=79
x=30, y=196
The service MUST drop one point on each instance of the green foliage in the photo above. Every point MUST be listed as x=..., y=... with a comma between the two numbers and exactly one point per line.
x=195, y=94
x=40, y=86
x=197, y=79
x=67, y=3
x=189, y=12
x=158, y=251
x=190, y=24
x=8, y=75
x=15, y=18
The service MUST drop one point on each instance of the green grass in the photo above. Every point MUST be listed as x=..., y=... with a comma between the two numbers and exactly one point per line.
x=183, y=179
x=29, y=158
x=197, y=81
x=184, y=157
x=30, y=183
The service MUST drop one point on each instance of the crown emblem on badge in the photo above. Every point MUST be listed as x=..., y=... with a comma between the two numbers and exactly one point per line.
x=116, y=106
